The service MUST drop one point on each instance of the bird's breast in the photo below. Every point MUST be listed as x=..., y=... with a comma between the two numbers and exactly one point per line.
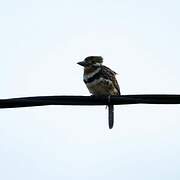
x=101, y=86
x=97, y=84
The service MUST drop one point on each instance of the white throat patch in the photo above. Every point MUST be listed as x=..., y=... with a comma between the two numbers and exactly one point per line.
x=90, y=75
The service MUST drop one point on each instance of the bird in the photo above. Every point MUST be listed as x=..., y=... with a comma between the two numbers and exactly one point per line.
x=100, y=81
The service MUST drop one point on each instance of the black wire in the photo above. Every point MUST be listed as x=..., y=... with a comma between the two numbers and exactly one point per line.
x=90, y=100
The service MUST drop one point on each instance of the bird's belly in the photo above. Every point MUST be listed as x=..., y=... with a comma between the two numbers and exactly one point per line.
x=101, y=87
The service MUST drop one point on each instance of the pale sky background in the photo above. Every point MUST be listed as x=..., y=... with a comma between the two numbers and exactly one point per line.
x=41, y=41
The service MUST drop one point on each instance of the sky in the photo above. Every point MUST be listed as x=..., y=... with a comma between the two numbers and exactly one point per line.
x=41, y=42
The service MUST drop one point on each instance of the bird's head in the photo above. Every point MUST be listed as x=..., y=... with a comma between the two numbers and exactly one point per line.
x=91, y=61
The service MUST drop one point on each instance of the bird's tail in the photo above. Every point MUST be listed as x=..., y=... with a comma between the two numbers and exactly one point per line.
x=111, y=115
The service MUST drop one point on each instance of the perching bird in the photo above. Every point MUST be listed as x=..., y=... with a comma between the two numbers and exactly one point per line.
x=100, y=80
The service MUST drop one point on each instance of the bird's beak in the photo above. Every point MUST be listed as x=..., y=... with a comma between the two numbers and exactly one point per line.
x=82, y=63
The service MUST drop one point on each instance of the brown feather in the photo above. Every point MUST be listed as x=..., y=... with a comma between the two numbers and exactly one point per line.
x=109, y=74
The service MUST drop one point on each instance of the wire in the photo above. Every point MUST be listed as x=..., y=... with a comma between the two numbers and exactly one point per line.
x=90, y=100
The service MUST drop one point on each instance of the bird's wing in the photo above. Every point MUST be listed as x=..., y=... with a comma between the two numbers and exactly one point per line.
x=110, y=75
